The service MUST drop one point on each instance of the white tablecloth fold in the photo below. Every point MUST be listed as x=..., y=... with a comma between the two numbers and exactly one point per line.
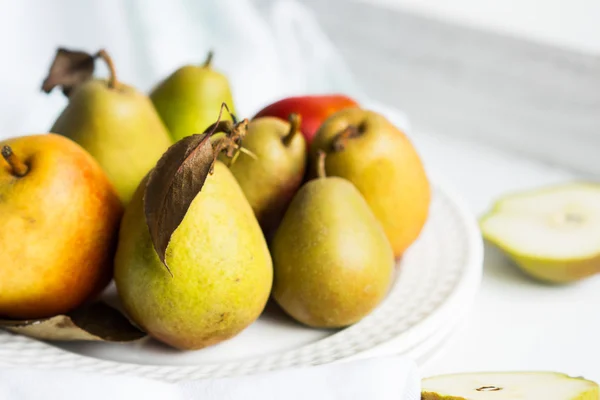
x=393, y=378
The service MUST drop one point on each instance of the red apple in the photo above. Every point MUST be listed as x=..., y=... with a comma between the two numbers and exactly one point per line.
x=313, y=110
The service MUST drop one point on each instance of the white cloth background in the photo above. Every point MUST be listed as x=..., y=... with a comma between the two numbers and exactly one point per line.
x=390, y=378
x=266, y=56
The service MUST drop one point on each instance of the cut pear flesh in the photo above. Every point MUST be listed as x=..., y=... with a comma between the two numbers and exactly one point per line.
x=558, y=223
x=508, y=386
x=556, y=228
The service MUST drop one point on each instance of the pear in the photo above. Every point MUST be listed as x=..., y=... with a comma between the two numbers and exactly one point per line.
x=60, y=218
x=215, y=275
x=189, y=100
x=508, y=386
x=365, y=148
x=113, y=121
x=552, y=233
x=272, y=171
x=333, y=264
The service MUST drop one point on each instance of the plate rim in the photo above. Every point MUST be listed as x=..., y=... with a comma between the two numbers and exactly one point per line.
x=457, y=303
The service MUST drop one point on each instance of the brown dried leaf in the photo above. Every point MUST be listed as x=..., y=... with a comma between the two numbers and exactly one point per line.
x=96, y=322
x=172, y=186
x=69, y=69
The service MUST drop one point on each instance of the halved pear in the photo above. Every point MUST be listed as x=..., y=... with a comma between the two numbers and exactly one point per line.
x=553, y=233
x=508, y=385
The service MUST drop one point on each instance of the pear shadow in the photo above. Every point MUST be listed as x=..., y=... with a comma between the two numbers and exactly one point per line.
x=498, y=266
x=156, y=346
x=111, y=297
x=274, y=314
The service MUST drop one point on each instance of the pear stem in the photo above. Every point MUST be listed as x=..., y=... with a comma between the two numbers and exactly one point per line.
x=209, y=58
x=321, y=164
x=341, y=139
x=112, y=79
x=19, y=168
x=295, y=122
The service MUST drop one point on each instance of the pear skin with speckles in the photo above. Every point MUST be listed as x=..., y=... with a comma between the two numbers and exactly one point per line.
x=221, y=268
x=333, y=263
x=366, y=148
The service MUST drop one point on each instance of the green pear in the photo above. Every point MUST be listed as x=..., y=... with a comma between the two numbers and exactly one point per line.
x=508, y=386
x=273, y=170
x=118, y=126
x=364, y=147
x=333, y=263
x=190, y=99
x=220, y=268
x=550, y=233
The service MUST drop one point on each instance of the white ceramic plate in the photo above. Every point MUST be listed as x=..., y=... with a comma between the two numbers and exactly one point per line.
x=435, y=283
x=437, y=277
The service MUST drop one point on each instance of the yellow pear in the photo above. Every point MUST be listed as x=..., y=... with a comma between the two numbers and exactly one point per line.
x=116, y=124
x=364, y=147
x=272, y=176
x=508, y=386
x=552, y=234
x=189, y=99
x=220, y=268
x=333, y=263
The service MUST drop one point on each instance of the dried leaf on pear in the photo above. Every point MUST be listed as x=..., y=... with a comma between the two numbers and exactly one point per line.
x=172, y=186
x=179, y=176
x=68, y=70
x=96, y=322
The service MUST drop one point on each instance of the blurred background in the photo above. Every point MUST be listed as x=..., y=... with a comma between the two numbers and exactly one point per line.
x=520, y=75
x=498, y=95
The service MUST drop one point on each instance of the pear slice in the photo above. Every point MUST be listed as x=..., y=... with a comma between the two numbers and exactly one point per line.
x=553, y=233
x=508, y=385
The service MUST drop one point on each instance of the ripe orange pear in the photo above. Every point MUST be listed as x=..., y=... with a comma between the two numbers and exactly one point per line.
x=60, y=218
x=364, y=147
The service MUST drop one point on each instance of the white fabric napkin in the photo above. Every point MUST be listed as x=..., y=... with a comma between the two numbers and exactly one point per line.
x=374, y=379
x=267, y=52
